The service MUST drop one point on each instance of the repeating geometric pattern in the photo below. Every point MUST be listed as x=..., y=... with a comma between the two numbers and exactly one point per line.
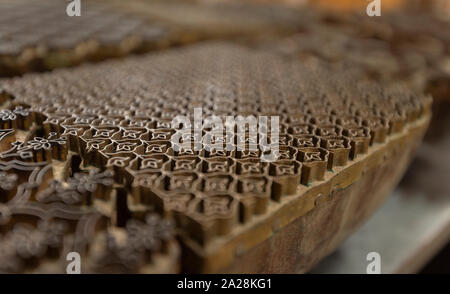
x=51, y=205
x=111, y=125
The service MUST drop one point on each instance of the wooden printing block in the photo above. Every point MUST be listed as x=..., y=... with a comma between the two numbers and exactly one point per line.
x=234, y=212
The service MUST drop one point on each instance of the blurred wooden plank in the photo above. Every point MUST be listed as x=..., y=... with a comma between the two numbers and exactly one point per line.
x=410, y=228
x=407, y=231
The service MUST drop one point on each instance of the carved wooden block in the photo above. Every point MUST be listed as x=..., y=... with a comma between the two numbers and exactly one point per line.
x=98, y=153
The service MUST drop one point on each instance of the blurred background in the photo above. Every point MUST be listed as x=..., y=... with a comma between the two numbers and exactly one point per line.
x=408, y=43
